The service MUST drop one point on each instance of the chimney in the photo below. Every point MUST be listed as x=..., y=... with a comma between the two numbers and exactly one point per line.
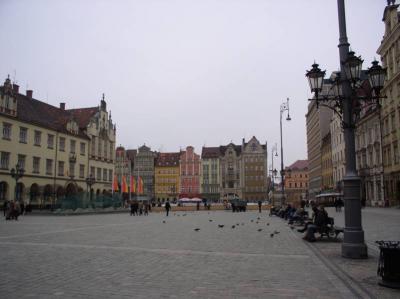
x=15, y=88
x=62, y=106
x=29, y=93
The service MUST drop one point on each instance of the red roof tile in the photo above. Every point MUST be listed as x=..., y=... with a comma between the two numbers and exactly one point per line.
x=299, y=165
x=83, y=115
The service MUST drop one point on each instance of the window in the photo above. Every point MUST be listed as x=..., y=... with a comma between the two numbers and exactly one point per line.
x=93, y=147
x=38, y=138
x=104, y=174
x=83, y=148
x=71, y=169
x=395, y=153
x=7, y=131
x=110, y=175
x=21, y=161
x=49, y=166
x=4, y=160
x=62, y=144
x=99, y=148
x=60, y=168
x=36, y=165
x=23, y=135
x=105, y=149
x=98, y=176
x=81, y=170
x=50, y=141
x=72, y=146
x=92, y=171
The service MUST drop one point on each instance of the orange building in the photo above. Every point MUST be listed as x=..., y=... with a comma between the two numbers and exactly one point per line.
x=296, y=181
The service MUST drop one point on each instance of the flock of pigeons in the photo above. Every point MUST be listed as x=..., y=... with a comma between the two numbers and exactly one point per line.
x=257, y=221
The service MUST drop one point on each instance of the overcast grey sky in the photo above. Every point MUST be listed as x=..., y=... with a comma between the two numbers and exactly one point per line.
x=183, y=72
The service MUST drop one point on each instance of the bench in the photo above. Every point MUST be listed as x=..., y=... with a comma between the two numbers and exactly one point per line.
x=330, y=230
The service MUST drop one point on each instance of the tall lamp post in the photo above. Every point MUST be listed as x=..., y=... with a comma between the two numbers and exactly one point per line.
x=284, y=107
x=16, y=174
x=343, y=102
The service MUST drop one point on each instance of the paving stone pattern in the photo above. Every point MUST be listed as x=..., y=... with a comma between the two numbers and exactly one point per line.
x=119, y=256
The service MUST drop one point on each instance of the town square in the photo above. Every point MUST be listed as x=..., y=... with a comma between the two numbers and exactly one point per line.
x=200, y=149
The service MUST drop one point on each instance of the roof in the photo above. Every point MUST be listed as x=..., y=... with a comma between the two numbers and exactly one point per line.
x=210, y=152
x=237, y=148
x=33, y=111
x=83, y=115
x=299, y=165
x=167, y=159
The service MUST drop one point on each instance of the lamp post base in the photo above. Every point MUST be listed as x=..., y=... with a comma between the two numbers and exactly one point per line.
x=354, y=250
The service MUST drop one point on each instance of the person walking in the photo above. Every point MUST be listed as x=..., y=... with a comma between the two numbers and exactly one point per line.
x=132, y=207
x=259, y=205
x=5, y=207
x=167, y=207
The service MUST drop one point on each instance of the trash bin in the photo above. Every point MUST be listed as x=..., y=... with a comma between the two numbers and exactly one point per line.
x=389, y=263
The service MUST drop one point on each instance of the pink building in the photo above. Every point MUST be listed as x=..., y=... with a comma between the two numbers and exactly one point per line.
x=189, y=173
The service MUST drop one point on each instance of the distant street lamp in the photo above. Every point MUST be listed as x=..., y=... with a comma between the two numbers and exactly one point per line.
x=17, y=173
x=273, y=172
x=343, y=102
x=284, y=107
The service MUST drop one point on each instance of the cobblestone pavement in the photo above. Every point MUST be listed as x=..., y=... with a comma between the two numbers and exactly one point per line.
x=118, y=256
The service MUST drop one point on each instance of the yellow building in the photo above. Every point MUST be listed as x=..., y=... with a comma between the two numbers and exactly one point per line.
x=53, y=146
x=166, y=176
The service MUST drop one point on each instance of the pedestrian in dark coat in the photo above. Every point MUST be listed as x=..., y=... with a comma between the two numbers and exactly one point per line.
x=259, y=206
x=167, y=206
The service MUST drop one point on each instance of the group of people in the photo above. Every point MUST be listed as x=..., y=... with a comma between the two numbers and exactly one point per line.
x=139, y=208
x=13, y=209
x=318, y=219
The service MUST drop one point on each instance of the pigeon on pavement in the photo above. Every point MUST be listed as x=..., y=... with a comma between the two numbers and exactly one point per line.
x=260, y=229
x=197, y=229
x=220, y=225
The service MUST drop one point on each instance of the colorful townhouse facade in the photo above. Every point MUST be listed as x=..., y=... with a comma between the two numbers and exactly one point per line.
x=167, y=177
x=189, y=173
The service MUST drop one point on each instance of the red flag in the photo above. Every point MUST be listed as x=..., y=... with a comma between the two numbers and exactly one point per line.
x=115, y=184
x=124, y=186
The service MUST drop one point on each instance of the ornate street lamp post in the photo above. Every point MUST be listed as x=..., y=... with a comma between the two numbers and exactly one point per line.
x=273, y=172
x=284, y=107
x=17, y=173
x=343, y=102
x=90, y=182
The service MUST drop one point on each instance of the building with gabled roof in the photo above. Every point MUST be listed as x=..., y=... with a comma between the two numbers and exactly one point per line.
x=56, y=148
